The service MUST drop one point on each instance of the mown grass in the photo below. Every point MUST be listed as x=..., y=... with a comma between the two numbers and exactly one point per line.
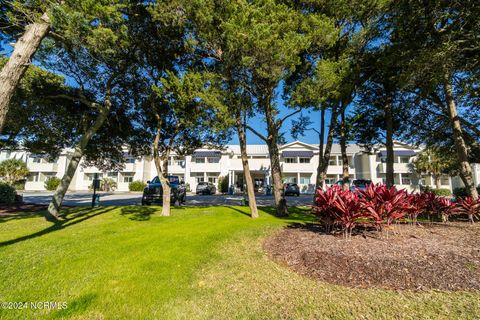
x=200, y=263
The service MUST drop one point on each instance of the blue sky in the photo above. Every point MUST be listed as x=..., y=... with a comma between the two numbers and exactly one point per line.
x=258, y=122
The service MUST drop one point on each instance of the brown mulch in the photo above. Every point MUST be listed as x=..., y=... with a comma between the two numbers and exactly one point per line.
x=7, y=210
x=430, y=256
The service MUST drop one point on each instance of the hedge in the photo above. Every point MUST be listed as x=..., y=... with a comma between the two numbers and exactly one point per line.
x=136, y=185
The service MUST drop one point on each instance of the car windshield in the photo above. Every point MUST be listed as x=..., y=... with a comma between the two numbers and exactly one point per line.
x=155, y=180
x=361, y=183
x=173, y=179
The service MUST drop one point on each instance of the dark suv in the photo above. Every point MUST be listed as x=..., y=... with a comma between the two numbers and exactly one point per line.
x=153, y=192
x=206, y=188
x=291, y=189
x=357, y=184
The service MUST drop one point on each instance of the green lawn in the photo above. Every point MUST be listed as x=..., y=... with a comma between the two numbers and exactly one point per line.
x=206, y=263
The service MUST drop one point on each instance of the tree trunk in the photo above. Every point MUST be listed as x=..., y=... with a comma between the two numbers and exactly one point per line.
x=343, y=148
x=252, y=202
x=319, y=182
x=272, y=140
x=323, y=162
x=462, y=151
x=437, y=181
x=19, y=61
x=390, y=174
x=162, y=172
x=58, y=196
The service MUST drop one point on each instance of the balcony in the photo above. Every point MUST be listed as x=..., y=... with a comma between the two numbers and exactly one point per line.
x=42, y=167
x=205, y=167
x=397, y=167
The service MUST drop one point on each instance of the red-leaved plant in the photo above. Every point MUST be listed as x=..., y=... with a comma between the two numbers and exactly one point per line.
x=468, y=206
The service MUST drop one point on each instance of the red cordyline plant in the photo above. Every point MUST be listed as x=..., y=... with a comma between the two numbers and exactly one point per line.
x=383, y=204
x=468, y=206
x=335, y=205
x=445, y=207
x=418, y=205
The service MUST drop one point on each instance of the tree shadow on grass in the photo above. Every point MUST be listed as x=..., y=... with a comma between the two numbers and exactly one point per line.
x=77, y=306
x=138, y=213
x=295, y=214
x=246, y=212
x=69, y=217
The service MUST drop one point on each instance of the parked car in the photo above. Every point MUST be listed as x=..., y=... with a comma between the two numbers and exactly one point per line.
x=357, y=184
x=291, y=189
x=153, y=192
x=206, y=188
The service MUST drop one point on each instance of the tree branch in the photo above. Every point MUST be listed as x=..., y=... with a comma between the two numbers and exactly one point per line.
x=281, y=121
x=261, y=136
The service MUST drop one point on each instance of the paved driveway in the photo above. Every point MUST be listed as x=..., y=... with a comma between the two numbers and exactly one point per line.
x=134, y=198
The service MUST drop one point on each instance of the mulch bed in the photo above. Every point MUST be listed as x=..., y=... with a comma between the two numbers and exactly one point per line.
x=430, y=256
x=7, y=210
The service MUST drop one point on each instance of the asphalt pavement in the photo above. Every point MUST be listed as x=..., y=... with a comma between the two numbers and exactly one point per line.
x=83, y=198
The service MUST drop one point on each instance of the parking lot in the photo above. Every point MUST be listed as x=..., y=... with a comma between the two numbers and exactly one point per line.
x=134, y=198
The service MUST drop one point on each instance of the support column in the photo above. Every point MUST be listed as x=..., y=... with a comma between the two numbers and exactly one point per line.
x=298, y=177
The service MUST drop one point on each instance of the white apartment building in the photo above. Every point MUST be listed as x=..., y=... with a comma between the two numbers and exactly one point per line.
x=299, y=163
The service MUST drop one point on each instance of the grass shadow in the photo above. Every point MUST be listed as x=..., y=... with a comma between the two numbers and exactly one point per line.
x=77, y=306
x=70, y=217
x=138, y=213
x=295, y=214
x=247, y=213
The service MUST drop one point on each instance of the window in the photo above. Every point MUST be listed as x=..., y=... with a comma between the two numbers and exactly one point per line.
x=406, y=179
x=332, y=161
x=445, y=181
x=199, y=176
x=396, y=178
x=37, y=160
x=304, y=160
x=290, y=160
x=382, y=176
x=113, y=175
x=45, y=175
x=213, y=160
x=127, y=177
x=32, y=177
x=130, y=160
x=329, y=180
x=304, y=180
x=404, y=159
x=199, y=160
x=290, y=180
x=91, y=176
x=179, y=161
x=212, y=179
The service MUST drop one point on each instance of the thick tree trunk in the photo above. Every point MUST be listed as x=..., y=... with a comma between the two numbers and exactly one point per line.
x=19, y=61
x=323, y=161
x=390, y=174
x=272, y=143
x=462, y=151
x=58, y=196
x=343, y=148
x=252, y=202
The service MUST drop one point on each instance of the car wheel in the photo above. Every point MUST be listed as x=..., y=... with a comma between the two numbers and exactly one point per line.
x=298, y=194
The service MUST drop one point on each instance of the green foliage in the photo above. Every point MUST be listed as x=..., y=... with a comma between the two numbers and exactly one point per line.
x=108, y=184
x=223, y=184
x=438, y=192
x=13, y=170
x=462, y=192
x=434, y=162
x=52, y=183
x=7, y=193
x=136, y=185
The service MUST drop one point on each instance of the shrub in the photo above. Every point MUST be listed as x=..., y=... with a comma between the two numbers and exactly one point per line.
x=442, y=192
x=223, y=184
x=462, y=192
x=7, y=193
x=12, y=170
x=52, y=183
x=20, y=184
x=187, y=187
x=136, y=185
x=108, y=184
x=468, y=206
